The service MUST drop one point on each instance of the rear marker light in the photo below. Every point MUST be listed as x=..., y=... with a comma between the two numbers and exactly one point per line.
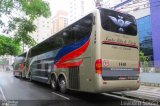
x=98, y=66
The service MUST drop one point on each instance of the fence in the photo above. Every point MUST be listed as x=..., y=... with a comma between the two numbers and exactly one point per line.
x=148, y=67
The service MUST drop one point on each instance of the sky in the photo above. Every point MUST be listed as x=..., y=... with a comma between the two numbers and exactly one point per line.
x=60, y=4
x=63, y=4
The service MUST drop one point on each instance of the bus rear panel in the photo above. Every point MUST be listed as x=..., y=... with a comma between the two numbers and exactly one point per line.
x=117, y=62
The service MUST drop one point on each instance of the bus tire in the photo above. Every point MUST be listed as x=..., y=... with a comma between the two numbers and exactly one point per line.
x=62, y=84
x=54, y=83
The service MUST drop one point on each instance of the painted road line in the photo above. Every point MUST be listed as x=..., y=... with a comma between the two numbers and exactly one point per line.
x=116, y=96
x=1, y=91
x=61, y=96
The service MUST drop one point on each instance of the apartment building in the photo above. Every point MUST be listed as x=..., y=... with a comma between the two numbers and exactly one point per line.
x=79, y=8
x=59, y=21
x=43, y=30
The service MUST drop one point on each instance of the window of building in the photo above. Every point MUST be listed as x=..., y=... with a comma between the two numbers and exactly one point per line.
x=145, y=36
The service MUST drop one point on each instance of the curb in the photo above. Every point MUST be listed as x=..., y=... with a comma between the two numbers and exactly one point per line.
x=150, y=84
x=141, y=97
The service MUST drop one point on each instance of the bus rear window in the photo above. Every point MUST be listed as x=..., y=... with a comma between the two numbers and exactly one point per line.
x=118, y=22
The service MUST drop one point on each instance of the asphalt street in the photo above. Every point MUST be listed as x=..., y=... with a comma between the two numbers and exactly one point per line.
x=20, y=92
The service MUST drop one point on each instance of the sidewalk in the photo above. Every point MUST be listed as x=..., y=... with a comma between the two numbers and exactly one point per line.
x=144, y=93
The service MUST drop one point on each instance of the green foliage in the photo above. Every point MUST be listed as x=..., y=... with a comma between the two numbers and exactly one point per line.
x=22, y=24
x=144, y=60
x=35, y=8
x=22, y=34
x=9, y=46
x=6, y=6
x=26, y=39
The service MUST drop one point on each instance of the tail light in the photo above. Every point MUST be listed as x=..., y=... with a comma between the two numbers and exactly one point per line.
x=98, y=66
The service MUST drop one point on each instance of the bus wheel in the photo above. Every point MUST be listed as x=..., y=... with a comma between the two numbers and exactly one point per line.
x=62, y=85
x=54, y=83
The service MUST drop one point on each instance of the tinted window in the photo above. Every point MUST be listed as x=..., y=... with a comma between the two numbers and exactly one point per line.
x=57, y=41
x=39, y=66
x=79, y=30
x=46, y=66
x=68, y=36
x=83, y=27
x=71, y=34
x=52, y=43
x=118, y=22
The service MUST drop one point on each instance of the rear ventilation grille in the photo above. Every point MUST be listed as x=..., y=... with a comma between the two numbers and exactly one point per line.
x=74, y=81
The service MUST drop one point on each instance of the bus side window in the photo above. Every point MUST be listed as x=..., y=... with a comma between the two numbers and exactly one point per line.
x=46, y=66
x=83, y=27
x=58, y=41
x=69, y=36
x=39, y=66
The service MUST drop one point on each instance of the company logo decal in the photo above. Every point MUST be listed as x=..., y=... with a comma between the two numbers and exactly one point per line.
x=120, y=22
x=106, y=63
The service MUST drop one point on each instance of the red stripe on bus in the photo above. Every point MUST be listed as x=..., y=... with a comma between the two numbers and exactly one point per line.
x=70, y=64
x=76, y=53
x=120, y=44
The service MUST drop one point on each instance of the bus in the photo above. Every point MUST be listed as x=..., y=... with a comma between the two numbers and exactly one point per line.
x=98, y=53
x=19, y=66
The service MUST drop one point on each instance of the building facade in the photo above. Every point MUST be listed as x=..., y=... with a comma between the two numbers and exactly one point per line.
x=79, y=8
x=43, y=30
x=111, y=3
x=155, y=16
x=59, y=21
x=130, y=6
x=143, y=19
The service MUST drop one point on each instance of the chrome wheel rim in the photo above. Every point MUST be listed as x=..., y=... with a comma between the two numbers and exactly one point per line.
x=53, y=83
x=62, y=85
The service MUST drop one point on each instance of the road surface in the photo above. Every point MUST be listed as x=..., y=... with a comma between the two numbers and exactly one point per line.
x=20, y=92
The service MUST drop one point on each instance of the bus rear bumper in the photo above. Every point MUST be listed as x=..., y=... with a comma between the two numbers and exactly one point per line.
x=117, y=85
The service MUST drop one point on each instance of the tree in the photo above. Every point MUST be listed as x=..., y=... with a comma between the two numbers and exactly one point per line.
x=22, y=23
x=144, y=60
x=9, y=46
